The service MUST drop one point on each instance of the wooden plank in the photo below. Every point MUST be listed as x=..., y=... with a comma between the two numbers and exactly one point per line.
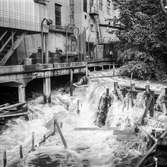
x=61, y=134
x=14, y=115
x=11, y=106
x=94, y=129
x=3, y=35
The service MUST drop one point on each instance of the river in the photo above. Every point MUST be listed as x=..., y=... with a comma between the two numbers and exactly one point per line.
x=114, y=145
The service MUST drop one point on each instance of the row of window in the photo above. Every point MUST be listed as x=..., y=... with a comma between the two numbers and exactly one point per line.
x=92, y=3
x=58, y=9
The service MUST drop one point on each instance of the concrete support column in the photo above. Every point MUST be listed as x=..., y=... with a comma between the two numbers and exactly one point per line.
x=21, y=94
x=47, y=90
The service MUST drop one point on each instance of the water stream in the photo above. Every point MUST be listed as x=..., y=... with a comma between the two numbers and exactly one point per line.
x=92, y=147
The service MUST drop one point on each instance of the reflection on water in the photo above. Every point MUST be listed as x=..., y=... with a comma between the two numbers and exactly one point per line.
x=91, y=148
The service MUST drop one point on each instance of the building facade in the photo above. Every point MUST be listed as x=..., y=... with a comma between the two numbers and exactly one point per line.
x=95, y=19
x=80, y=29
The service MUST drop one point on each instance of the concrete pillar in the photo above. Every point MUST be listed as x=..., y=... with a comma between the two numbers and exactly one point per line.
x=71, y=82
x=21, y=94
x=47, y=90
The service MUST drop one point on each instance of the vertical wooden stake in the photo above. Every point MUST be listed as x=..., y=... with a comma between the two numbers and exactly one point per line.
x=21, y=151
x=4, y=159
x=78, y=110
x=33, y=141
x=44, y=138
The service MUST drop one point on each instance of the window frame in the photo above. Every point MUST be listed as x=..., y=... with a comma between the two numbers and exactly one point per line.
x=58, y=14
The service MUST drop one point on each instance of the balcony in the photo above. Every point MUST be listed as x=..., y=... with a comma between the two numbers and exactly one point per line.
x=60, y=29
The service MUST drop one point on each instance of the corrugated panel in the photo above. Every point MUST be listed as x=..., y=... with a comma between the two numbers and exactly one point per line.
x=22, y=14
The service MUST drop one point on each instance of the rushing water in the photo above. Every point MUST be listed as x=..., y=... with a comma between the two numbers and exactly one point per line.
x=92, y=147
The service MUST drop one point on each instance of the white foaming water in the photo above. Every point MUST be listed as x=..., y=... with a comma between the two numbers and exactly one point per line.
x=100, y=148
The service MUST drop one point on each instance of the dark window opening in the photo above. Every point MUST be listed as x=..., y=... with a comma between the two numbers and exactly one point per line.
x=85, y=6
x=57, y=15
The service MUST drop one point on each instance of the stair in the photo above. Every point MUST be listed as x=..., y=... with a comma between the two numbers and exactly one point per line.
x=9, y=42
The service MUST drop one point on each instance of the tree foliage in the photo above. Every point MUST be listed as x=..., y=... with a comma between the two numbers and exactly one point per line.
x=143, y=38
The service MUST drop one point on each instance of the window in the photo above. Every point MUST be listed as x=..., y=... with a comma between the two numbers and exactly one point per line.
x=57, y=14
x=101, y=4
x=85, y=6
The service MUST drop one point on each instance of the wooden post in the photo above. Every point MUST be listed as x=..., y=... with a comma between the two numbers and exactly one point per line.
x=115, y=86
x=61, y=135
x=44, y=138
x=21, y=151
x=4, y=159
x=33, y=141
x=61, y=124
x=78, y=110
x=71, y=82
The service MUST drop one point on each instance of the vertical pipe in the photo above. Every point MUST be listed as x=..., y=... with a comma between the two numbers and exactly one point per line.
x=46, y=49
x=21, y=151
x=4, y=159
x=42, y=39
x=71, y=82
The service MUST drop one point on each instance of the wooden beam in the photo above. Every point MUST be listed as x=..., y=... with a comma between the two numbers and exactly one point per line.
x=13, y=115
x=3, y=35
x=11, y=106
x=11, y=51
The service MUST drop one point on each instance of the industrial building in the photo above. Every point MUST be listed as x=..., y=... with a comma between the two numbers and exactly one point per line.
x=78, y=29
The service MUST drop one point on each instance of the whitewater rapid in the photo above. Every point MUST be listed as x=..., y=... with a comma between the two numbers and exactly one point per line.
x=85, y=148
